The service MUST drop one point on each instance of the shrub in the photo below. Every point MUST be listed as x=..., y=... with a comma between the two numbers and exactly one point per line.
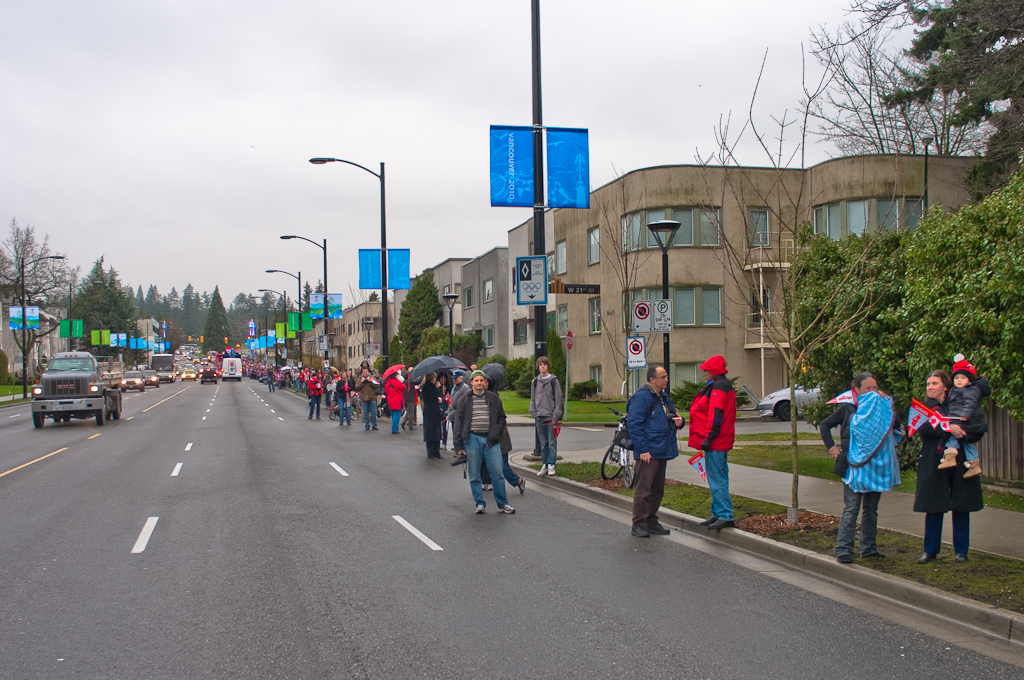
x=583, y=390
x=683, y=396
x=516, y=367
x=495, y=359
x=4, y=373
x=522, y=384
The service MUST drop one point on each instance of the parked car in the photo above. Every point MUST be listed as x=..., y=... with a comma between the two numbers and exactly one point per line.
x=777, y=403
x=133, y=380
x=152, y=379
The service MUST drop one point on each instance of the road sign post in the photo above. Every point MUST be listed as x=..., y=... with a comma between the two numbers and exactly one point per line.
x=568, y=347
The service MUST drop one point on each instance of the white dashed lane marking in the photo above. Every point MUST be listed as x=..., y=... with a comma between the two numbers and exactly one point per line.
x=177, y=469
x=416, y=532
x=147, y=531
x=340, y=471
x=188, y=447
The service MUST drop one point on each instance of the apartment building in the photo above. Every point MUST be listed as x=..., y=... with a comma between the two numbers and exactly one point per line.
x=484, y=300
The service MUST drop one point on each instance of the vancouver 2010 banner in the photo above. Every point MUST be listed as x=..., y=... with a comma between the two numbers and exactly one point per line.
x=511, y=166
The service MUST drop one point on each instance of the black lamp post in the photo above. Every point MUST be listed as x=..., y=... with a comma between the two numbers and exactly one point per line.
x=927, y=142
x=24, y=322
x=664, y=231
x=277, y=355
x=326, y=289
x=449, y=299
x=383, y=249
x=299, y=278
x=368, y=325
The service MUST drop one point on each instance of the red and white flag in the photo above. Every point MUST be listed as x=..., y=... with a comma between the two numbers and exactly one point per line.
x=847, y=397
x=918, y=416
x=698, y=464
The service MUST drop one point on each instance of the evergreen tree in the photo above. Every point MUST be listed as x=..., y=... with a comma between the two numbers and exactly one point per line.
x=104, y=304
x=152, y=300
x=307, y=290
x=140, y=301
x=216, y=324
x=420, y=311
x=319, y=286
x=190, y=316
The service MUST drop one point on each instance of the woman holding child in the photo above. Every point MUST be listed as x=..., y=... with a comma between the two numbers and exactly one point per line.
x=946, y=488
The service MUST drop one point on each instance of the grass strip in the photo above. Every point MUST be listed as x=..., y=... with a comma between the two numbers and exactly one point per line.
x=577, y=411
x=777, y=437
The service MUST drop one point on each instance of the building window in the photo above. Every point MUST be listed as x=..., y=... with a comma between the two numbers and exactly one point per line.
x=684, y=235
x=756, y=310
x=595, y=314
x=652, y=217
x=563, y=320
x=899, y=212
x=710, y=306
x=684, y=307
x=488, y=290
x=488, y=336
x=759, y=227
x=551, y=265
x=560, y=264
x=709, y=224
x=594, y=246
x=856, y=217
x=595, y=375
x=631, y=232
x=682, y=373
x=521, y=333
x=447, y=289
x=467, y=301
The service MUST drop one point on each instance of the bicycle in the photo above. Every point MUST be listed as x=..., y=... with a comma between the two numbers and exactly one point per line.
x=618, y=459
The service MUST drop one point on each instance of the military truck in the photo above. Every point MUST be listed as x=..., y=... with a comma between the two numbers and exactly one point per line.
x=78, y=385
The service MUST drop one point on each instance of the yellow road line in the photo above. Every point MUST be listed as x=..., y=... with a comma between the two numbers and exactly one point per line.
x=95, y=435
x=32, y=461
x=170, y=397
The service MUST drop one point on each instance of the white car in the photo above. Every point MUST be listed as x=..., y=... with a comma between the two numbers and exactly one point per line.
x=776, y=404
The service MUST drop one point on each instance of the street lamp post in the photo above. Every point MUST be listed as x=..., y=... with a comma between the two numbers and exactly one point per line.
x=927, y=142
x=299, y=277
x=663, y=231
x=326, y=289
x=277, y=355
x=24, y=322
x=368, y=325
x=383, y=249
x=449, y=299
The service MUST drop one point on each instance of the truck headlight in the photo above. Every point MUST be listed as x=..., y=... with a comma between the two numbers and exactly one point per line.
x=37, y=390
x=94, y=388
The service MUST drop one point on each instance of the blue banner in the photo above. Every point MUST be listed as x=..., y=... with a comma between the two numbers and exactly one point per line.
x=17, y=318
x=316, y=306
x=335, y=306
x=32, y=318
x=511, y=166
x=369, y=269
x=398, y=269
x=568, y=168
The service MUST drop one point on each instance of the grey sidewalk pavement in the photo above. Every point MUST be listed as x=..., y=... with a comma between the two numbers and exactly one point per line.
x=992, y=530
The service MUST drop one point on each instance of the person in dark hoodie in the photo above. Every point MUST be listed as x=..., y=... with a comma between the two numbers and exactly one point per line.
x=713, y=431
x=652, y=423
x=963, y=405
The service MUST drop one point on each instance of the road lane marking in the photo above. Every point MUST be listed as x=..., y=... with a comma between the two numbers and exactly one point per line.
x=188, y=447
x=204, y=417
x=130, y=417
x=177, y=469
x=207, y=410
x=588, y=429
x=170, y=397
x=147, y=531
x=273, y=411
x=342, y=472
x=95, y=435
x=416, y=532
x=32, y=461
x=280, y=418
x=15, y=415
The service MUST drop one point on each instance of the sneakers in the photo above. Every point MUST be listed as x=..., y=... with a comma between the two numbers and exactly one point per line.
x=543, y=471
x=640, y=531
x=481, y=509
x=522, y=486
x=551, y=471
x=948, y=459
x=488, y=487
x=845, y=558
x=973, y=468
x=507, y=510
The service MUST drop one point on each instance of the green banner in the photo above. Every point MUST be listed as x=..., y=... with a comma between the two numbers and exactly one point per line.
x=104, y=337
x=77, y=328
x=291, y=334
x=95, y=337
x=294, y=321
x=65, y=328
x=307, y=322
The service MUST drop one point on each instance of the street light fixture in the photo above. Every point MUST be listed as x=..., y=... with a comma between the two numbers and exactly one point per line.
x=927, y=142
x=277, y=355
x=326, y=289
x=299, y=298
x=664, y=231
x=368, y=325
x=24, y=322
x=449, y=299
x=383, y=248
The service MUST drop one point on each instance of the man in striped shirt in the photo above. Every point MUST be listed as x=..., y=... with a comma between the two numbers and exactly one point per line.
x=477, y=435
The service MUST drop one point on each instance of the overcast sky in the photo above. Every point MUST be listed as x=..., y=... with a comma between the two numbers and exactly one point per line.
x=172, y=137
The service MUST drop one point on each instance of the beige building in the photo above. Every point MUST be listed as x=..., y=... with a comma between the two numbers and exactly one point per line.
x=732, y=248
x=362, y=328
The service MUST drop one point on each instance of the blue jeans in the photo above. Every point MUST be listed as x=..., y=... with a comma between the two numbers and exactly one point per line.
x=970, y=450
x=270, y=384
x=345, y=413
x=369, y=414
x=478, y=453
x=933, y=532
x=548, y=443
x=510, y=476
x=396, y=415
x=854, y=501
x=314, y=403
x=717, y=467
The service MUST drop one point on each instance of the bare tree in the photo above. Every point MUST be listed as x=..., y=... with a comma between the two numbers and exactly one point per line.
x=763, y=258
x=864, y=69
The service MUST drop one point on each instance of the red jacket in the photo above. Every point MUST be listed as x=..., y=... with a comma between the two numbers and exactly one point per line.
x=314, y=387
x=395, y=392
x=713, y=411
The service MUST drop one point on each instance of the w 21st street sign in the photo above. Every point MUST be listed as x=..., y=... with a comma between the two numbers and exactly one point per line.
x=532, y=280
x=636, y=352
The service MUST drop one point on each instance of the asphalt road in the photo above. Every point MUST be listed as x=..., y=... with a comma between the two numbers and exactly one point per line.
x=266, y=561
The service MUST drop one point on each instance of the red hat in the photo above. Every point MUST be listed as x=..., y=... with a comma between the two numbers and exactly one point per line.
x=961, y=365
x=716, y=365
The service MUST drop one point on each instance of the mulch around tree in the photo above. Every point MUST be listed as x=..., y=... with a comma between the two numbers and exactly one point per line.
x=772, y=525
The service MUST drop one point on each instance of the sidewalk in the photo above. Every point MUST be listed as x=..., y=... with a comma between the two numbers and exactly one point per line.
x=992, y=530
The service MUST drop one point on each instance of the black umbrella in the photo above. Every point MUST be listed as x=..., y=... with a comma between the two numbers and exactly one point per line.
x=494, y=372
x=433, y=365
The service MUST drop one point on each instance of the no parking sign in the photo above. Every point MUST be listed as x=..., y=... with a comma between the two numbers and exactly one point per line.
x=636, y=352
x=642, y=321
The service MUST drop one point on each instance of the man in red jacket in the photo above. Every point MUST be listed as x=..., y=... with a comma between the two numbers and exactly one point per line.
x=713, y=430
x=315, y=390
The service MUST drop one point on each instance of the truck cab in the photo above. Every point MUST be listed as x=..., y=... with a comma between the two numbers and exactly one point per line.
x=77, y=385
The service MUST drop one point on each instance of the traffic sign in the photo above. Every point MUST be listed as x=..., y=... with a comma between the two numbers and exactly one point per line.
x=373, y=349
x=642, y=322
x=568, y=340
x=582, y=289
x=532, y=280
x=662, y=316
x=322, y=342
x=636, y=352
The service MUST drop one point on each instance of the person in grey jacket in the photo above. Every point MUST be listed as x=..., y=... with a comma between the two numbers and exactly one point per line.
x=546, y=409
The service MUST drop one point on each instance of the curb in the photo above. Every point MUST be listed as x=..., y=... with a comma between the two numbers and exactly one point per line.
x=1000, y=623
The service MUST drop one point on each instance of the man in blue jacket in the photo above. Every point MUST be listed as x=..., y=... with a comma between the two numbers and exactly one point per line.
x=653, y=423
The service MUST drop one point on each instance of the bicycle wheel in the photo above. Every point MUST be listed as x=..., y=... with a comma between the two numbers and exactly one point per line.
x=611, y=465
x=628, y=469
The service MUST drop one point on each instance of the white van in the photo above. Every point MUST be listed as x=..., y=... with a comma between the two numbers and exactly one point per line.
x=231, y=370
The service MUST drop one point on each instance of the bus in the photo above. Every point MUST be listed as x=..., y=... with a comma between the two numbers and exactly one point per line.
x=163, y=364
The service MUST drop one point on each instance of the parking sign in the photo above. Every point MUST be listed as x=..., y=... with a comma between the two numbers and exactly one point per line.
x=662, y=316
x=642, y=316
x=636, y=352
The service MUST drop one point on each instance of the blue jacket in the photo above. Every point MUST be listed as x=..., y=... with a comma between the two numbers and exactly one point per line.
x=649, y=427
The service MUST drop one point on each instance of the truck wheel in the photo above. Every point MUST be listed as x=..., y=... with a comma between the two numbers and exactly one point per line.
x=38, y=419
x=101, y=416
